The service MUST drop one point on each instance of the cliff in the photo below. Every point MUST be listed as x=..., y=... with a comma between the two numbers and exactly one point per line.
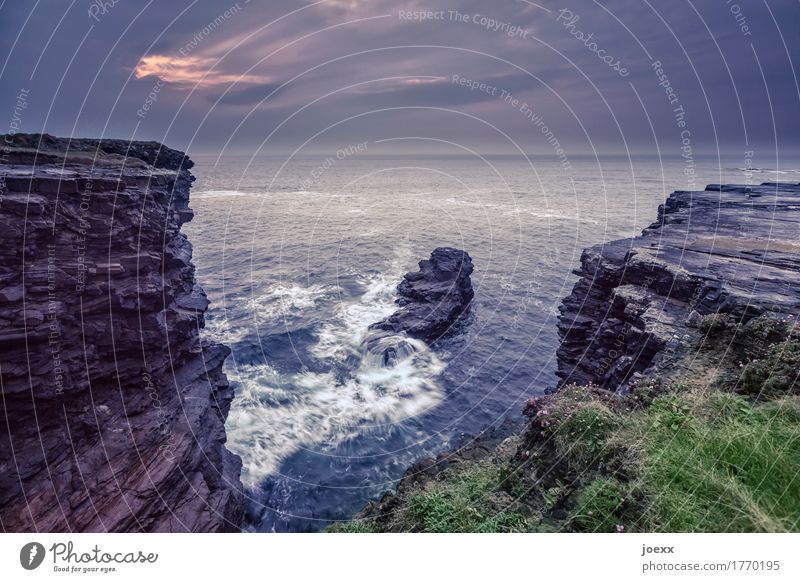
x=635, y=309
x=113, y=409
x=679, y=395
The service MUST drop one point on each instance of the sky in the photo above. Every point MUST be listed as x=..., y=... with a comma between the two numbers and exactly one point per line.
x=580, y=77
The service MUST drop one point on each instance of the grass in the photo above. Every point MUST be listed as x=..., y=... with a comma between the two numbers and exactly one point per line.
x=766, y=350
x=716, y=324
x=461, y=503
x=601, y=506
x=691, y=461
x=709, y=462
x=581, y=435
x=355, y=526
x=668, y=457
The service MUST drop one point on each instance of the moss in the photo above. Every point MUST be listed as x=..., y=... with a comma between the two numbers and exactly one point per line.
x=761, y=332
x=555, y=495
x=776, y=374
x=511, y=481
x=716, y=324
x=642, y=393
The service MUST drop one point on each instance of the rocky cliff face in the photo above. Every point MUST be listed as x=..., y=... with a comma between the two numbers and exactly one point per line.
x=730, y=249
x=113, y=409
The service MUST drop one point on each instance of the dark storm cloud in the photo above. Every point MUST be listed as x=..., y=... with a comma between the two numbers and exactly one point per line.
x=728, y=65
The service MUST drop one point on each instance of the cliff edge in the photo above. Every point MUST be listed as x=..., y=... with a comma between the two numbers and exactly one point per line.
x=678, y=404
x=113, y=407
x=730, y=249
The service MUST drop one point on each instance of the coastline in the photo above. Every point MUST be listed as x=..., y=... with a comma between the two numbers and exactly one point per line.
x=677, y=347
x=687, y=331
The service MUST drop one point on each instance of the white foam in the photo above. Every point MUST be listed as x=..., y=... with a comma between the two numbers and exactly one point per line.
x=205, y=194
x=341, y=336
x=275, y=415
x=311, y=193
x=290, y=300
x=767, y=171
x=219, y=330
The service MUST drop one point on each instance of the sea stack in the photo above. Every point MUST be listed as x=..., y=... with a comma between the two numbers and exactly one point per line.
x=433, y=299
x=113, y=408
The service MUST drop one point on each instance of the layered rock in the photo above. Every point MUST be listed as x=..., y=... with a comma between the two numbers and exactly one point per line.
x=433, y=299
x=730, y=249
x=113, y=406
x=640, y=309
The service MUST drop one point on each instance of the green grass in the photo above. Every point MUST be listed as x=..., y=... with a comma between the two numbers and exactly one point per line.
x=581, y=435
x=668, y=457
x=461, y=503
x=712, y=462
x=601, y=506
x=355, y=526
x=691, y=461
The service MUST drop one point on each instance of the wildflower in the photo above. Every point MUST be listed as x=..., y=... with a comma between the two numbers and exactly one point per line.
x=620, y=528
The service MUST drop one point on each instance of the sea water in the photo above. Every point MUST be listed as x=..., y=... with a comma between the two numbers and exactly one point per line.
x=300, y=255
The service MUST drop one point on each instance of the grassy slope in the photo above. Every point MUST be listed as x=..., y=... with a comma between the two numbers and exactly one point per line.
x=714, y=456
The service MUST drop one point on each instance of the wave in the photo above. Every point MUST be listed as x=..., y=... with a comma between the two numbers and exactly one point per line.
x=277, y=414
x=280, y=303
x=220, y=330
x=340, y=337
x=285, y=301
x=764, y=170
x=551, y=215
x=204, y=194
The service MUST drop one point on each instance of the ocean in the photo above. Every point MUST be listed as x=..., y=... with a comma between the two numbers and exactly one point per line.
x=298, y=257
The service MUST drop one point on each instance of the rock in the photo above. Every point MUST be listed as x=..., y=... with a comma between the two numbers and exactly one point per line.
x=433, y=299
x=113, y=408
x=633, y=315
x=635, y=309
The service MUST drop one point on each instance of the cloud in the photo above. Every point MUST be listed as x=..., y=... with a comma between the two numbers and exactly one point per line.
x=346, y=4
x=344, y=57
x=251, y=95
x=437, y=91
x=190, y=71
